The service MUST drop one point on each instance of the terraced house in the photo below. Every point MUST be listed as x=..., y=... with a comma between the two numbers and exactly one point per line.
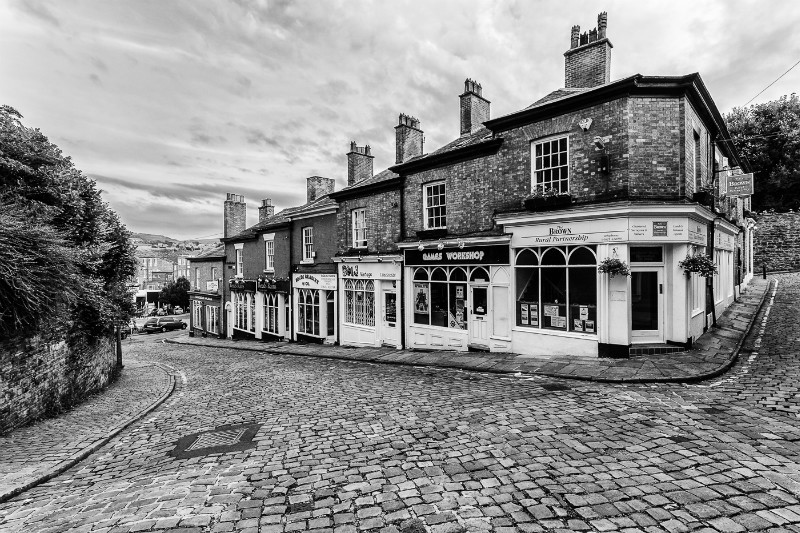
x=493, y=241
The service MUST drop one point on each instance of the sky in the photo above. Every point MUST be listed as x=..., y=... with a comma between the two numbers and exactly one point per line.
x=168, y=105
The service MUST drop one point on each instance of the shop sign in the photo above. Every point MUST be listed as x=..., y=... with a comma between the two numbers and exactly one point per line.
x=671, y=229
x=581, y=232
x=367, y=271
x=740, y=185
x=203, y=298
x=471, y=255
x=315, y=281
x=697, y=233
x=212, y=286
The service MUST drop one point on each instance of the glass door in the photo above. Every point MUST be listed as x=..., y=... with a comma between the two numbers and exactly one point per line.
x=647, y=316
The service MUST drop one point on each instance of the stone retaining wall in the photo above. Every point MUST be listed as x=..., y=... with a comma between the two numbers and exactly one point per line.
x=777, y=241
x=45, y=378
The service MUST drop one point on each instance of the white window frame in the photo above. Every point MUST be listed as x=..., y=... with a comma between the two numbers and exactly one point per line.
x=358, y=219
x=197, y=314
x=269, y=254
x=536, y=184
x=212, y=319
x=308, y=244
x=429, y=219
x=239, y=263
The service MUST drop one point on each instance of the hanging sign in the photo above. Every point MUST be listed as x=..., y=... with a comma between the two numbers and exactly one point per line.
x=740, y=185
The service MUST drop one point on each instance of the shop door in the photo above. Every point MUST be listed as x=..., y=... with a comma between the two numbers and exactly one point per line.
x=479, y=317
x=389, y=330
x=647, y=305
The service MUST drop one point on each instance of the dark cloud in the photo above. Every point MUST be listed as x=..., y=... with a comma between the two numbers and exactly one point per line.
x=256, y=136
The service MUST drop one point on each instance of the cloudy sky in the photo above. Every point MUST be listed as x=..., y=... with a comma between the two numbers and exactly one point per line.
x=168, y=105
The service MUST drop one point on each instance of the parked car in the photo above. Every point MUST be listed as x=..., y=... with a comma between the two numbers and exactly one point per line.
x=178, y=310
x=163, y=324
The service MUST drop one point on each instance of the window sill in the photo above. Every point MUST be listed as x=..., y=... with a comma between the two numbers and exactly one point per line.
x=307, y=262
x=555, y=333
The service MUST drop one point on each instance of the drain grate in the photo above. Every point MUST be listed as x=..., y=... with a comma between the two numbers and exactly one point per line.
x=222, y=439
x=554, y=386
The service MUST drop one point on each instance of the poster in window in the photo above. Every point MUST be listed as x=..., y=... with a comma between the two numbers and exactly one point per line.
x=534, y=314
x=421, y=298
x=584, y=312
x=523, y=314
x=589, y=326
x=460, y=291
x=459, y=318
x=558, y=322
x=551, y=311
x=578, y=324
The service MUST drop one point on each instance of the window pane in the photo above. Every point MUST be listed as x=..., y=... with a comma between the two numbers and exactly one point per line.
x=527, y=257
x=479, y=274
x=553, y=256
x=527, y=296
x=458, y=306
x=422, y=303
x=583, y=299
x=554, y=301
x=582, y=256
x=439, y=304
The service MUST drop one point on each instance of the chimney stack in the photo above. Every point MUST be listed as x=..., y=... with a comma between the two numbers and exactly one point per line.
x=235, y=215
x=359, y=163
x=409, y=138
x=266, y=210
x=317, y=187
x=474, y=107
x=587, y=63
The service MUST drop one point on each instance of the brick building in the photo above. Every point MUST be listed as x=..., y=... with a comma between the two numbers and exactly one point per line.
x=205, y=297
x=505, y=226
x=368, y=228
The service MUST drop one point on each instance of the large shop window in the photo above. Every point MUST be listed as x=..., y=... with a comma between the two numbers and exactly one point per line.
x=271, y=313
x=557, y=288
x=440, y=297
x=212, y=319
x=308, y=311
x=359, y=302
x=551, y=165
x=239, y=310
x=197, y=314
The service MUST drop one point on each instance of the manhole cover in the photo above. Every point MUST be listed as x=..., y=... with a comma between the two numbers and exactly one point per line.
x=223, y=439
x=554, y=386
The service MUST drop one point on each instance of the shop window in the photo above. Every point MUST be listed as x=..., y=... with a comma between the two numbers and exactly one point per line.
x=308, y=312
x=271, y=313
x=551, y=165
x=331, y=301
x=434, y=201
x=559, y=291
x=197, y=314
x=440, y=297
x=359, y=302
x=212, y=319
x=240, y=311
x=359, y=221
x=251, y=312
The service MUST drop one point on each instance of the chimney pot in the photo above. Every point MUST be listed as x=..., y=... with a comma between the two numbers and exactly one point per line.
x=409, y=139
x=317, y=187
x=266, y=210
x=474, y=107
x=587, y=63
x=234, y=215
x=359, y=164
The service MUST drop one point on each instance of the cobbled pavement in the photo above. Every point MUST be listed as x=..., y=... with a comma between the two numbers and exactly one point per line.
x=346, y=447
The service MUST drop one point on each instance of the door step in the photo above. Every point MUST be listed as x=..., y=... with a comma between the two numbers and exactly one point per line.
x=654, y=349
x=477, y=348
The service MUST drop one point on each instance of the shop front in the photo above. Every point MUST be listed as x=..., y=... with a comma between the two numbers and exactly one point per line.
x=457, y=296
x=314, y=307
x=274, y=302
x=243, y=309
x=204, y=314
x=564, y=306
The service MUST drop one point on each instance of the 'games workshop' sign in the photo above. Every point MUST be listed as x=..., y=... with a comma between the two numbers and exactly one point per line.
x=470, y=255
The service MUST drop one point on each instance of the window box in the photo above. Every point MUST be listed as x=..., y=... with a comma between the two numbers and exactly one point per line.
x=432, y=233
x=537, y=202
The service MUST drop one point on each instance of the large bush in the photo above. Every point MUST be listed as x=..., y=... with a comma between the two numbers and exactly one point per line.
x=65, y=257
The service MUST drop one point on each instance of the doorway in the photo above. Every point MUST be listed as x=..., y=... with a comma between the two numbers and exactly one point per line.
x=647, y=305
x=479, y=315
x=389, y=329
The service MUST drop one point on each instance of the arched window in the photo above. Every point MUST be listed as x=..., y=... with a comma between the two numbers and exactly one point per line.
x=271, y=313
x=479, y=274
x=308, y=312
x=359, y=302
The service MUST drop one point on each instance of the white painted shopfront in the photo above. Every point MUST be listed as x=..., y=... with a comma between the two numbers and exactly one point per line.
x=564, y=306
x=369, y=301
x=458, y=296
x=314, y=304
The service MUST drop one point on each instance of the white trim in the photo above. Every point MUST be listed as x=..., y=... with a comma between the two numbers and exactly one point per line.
x=268, y=236
x=238, y=245
x=542, y=140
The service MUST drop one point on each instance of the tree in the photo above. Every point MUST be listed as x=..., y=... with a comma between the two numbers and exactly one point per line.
x=176, y=293
x=767, y=136
x=78, y=254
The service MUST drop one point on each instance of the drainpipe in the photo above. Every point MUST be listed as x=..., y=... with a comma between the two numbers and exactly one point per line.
x=711, y=145
x=291, y=283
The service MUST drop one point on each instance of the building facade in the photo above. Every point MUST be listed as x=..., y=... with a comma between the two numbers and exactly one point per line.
x=204, y=272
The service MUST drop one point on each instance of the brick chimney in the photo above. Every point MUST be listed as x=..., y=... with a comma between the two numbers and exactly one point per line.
x=235, y=213
x=317, y=187
x=266, y=210
x=474, y=107
x=409, y=138
x=587, y=63
x=359, y=163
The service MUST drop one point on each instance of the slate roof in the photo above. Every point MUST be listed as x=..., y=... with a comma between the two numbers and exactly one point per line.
x=282, y=217
x=377, y=178
x=218, y=251
x=558, y=94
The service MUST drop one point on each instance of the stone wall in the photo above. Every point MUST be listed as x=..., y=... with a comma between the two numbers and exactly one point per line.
x=777, y=241
x=45, y=378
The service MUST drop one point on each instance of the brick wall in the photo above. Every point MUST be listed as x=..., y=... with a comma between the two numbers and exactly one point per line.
x=777, y=241
x=204, y=273
x=382, y=218
x=655, y=139
x=324, y=243
x=588, y=66
x=47, y=377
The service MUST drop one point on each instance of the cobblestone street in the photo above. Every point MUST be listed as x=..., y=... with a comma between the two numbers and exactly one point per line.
x=352, y=446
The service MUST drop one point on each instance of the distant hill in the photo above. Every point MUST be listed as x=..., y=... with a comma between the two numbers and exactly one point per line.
x=150, y=237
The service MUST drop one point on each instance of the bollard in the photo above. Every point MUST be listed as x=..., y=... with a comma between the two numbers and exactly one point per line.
x=764, y=271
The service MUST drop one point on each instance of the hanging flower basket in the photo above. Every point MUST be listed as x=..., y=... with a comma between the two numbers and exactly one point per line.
x=700, y=264
x=614, y=267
